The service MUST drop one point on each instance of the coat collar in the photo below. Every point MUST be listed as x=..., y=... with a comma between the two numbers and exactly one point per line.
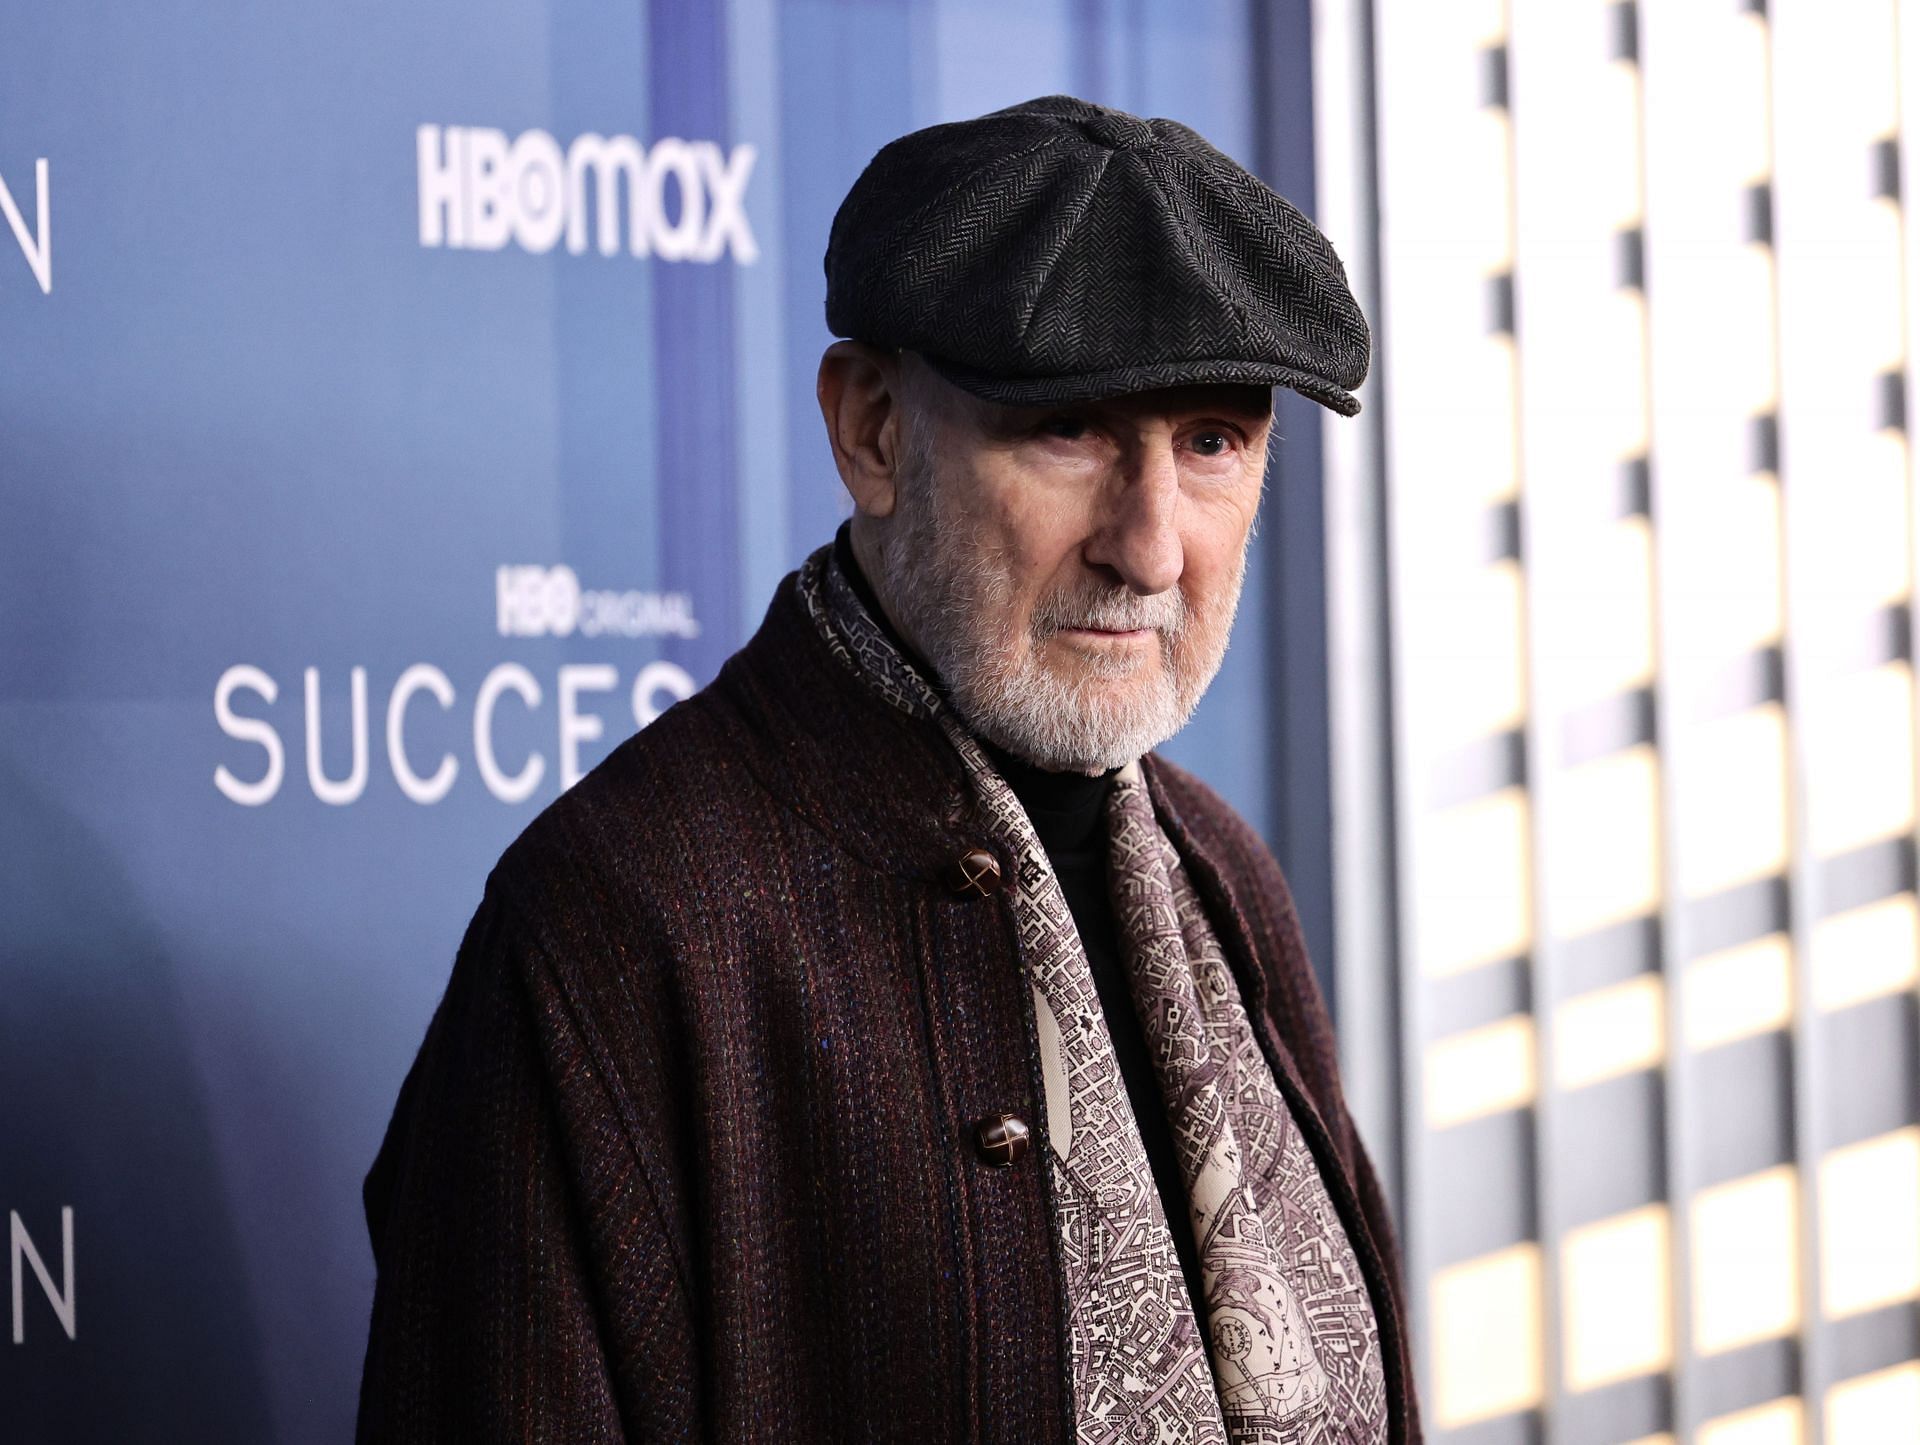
x=879, y=781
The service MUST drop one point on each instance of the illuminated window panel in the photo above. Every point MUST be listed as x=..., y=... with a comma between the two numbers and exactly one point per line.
x=1740, y=48
x=1738, y=992
x=1731, y=800
x=1484, y=22
x=1877, y=263
x=1462, y=432
x=1577, y=187
x=1486, y=1337
x=1870, y=1224
x=1778, y=1422
x=1620, y=374
x=1432, y=54
x=1881, y=505
x=1444, y=177
x=1707, y=144
x=1852, y=540
x=1746, y=1283
x=1463, y=658
x=1458, y=359
x=1610, y=1032
x=1819, y=126
x=1721, y=302
x=1824, y=123
x=1753, y=361
x=1866, y=953
x=1484, y=1071
x=1487, y=468
x=1603, y=842
x=1861, y=736
x=1472, y=881
x=1840, y=295
x=1724, y=596
x=1617, y=118
x=1877, y=1408
x=1596, y=613
x=1490, y=190
x=1487, y=175
x=1874, y=54
x=1572, y=102
x=1615, y=1299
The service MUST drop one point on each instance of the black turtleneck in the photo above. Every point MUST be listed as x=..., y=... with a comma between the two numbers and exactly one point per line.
x=1068, y=813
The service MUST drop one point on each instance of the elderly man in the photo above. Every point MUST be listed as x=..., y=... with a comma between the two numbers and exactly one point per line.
x=884, y=1044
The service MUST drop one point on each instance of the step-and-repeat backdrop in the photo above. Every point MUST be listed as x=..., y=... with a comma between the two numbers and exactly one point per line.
x=399, y=405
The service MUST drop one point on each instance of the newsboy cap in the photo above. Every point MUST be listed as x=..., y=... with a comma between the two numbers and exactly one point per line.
x=1059, y=251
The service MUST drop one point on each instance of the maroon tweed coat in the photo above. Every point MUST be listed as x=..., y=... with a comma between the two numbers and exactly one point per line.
x=688, y=1150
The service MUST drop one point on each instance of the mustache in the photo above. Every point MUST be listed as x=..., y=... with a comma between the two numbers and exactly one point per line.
x=1113, y=609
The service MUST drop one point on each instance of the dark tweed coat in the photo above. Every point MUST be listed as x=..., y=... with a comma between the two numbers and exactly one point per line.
x=688, y=1150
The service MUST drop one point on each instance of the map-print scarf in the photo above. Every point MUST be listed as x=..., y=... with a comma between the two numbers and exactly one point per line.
x=1290, y=1352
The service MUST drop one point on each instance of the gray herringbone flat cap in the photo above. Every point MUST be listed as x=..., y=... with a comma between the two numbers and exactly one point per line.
x=1059, y=251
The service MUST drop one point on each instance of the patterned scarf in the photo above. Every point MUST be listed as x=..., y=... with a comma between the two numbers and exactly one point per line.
x=1291, y=1352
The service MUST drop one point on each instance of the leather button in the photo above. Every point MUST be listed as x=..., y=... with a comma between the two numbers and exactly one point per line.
x=1001, y=1140
x=975, y=874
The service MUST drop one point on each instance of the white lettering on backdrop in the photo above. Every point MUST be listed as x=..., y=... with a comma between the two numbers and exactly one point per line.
x=654, y=689
x=25, y=1256
x=684, y=200
x=36, y=245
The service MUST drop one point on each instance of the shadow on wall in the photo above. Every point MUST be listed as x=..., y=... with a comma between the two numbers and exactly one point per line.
x=101, y=1111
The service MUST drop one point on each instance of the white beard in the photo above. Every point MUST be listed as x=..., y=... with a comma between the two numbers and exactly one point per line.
x=946, y=587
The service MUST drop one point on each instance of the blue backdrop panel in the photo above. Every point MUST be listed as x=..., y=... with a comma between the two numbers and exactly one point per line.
x=421, y=398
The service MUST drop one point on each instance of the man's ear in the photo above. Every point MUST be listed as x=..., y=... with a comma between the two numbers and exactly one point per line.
x=859, y=392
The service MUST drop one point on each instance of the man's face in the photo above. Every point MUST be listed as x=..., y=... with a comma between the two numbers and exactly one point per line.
x=1072, y=571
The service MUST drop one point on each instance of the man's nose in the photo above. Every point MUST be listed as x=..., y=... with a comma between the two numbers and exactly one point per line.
x=1138, y=538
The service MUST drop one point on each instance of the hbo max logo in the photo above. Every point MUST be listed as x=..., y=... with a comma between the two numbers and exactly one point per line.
x=676, y=199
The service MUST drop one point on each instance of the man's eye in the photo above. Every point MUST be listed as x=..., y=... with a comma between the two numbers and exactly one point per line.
x=1212, y=443
x=1068, y=428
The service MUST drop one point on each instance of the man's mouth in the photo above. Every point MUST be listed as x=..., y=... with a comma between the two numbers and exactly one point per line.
x=1107, y=633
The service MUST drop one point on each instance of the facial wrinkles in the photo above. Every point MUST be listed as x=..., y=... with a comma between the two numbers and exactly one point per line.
x=954, y=591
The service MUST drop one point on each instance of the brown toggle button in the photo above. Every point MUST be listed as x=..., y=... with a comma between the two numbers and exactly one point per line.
x=1001, y=1139
x=975, y=874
